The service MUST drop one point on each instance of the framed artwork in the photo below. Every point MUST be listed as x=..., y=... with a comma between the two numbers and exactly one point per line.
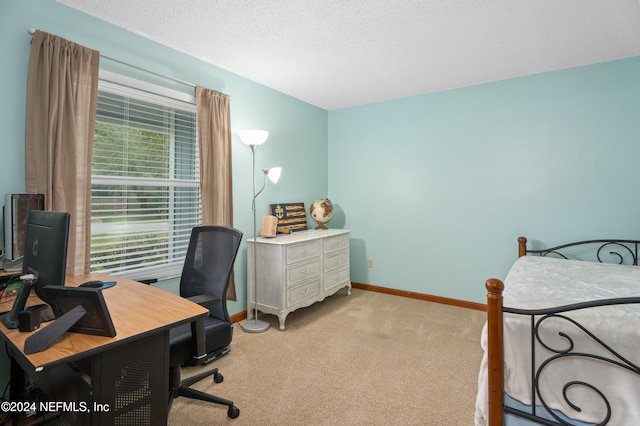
x=291, y=217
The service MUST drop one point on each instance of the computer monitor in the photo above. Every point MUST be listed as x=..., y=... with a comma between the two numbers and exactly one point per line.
x=45, y=257
x=16, y=214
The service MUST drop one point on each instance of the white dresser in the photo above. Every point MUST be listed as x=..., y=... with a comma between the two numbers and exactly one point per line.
x=296, y=270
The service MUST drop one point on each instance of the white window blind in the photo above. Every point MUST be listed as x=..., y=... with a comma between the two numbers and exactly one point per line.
x=145, y=189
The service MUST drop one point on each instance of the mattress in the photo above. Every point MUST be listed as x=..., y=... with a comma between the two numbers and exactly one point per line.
x=541, y=282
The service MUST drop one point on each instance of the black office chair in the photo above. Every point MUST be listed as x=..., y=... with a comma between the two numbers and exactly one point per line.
x=205, y=278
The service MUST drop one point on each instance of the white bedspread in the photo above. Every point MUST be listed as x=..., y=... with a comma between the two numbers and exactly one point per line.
x=540, y=282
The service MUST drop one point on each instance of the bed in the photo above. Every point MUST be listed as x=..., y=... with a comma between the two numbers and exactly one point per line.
x=575, y=310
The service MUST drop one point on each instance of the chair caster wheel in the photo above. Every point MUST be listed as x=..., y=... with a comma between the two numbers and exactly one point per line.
x=218, y=378
x=233, y=412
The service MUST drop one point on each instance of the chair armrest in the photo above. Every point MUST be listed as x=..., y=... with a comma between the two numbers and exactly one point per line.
x=204, y=300
x=197, y=327
x=198, y=341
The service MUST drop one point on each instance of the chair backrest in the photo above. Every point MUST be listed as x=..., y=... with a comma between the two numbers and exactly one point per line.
x=208, y=265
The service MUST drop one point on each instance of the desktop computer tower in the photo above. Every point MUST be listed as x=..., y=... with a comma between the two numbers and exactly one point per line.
x=16, y=213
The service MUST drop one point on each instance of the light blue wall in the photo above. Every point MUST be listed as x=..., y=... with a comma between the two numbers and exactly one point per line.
x=437, y=188
x=298, y=131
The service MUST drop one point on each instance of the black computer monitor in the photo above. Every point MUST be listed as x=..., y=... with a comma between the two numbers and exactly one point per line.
x=45, y=249
x=45, y=257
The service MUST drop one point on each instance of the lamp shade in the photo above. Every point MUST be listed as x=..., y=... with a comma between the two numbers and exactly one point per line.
x=274, y=174
x=253, y=137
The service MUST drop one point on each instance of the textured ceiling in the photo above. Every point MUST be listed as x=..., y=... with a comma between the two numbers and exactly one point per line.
x=342, y=53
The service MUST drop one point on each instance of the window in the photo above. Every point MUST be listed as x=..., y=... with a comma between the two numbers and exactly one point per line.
x=145, y=189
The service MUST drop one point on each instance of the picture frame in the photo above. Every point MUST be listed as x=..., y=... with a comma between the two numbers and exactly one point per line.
x=292, y=217
x=97, y=321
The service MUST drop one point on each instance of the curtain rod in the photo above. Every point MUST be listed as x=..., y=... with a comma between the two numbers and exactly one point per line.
x=32, y=31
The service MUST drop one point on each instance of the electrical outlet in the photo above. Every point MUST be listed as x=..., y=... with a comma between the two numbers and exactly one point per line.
x=370, y=262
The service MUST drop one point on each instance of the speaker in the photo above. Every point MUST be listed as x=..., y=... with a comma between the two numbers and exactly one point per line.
x=29, y=319
x=16, y=213
x=269, y=226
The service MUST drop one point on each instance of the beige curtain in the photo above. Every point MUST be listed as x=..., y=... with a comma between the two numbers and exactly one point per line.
x=214, y=134
x=62, y=88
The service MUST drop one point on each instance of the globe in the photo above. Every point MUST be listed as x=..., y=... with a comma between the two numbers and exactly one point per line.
x=321, y=211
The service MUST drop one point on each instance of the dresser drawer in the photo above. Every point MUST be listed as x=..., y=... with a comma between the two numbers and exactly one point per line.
x=336, y=260
x=303, y=251
x=302, y=272
x=298, y=294
x=336, y=278
x=336, y=243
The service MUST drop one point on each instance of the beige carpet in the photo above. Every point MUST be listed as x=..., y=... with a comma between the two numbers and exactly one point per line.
x=366, y=359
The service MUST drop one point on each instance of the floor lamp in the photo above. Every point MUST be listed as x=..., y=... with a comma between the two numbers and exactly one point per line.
x=255, y=138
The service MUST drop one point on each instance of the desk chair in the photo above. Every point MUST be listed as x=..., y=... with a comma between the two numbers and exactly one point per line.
x=205, y=278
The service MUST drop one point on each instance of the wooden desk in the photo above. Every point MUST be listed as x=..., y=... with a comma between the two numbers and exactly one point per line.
x=128, y=374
